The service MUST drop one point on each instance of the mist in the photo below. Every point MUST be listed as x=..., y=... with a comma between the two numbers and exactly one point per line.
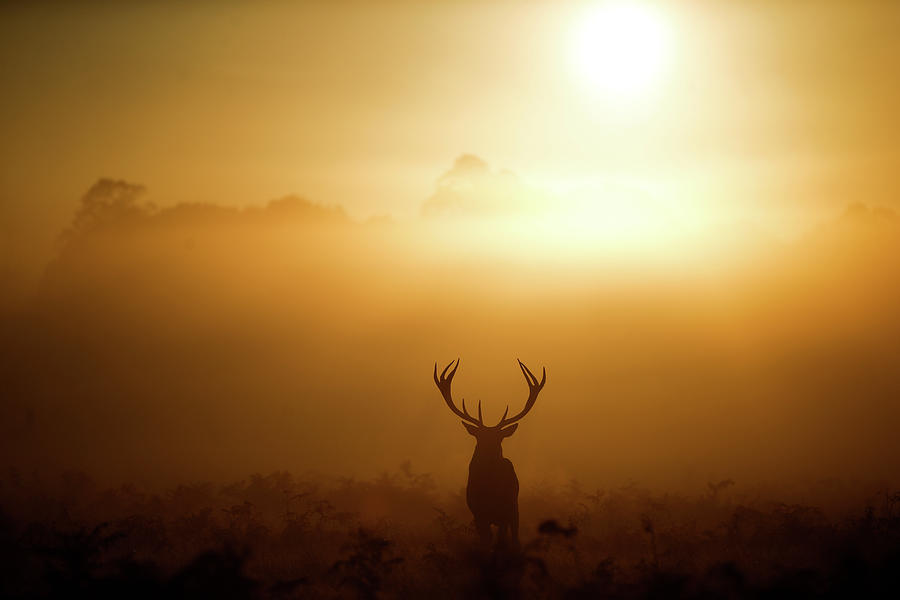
x=205, y=342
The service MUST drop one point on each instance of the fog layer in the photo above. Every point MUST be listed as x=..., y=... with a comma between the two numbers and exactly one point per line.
x=203, y=342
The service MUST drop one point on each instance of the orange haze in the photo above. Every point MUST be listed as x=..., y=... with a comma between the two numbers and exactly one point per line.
x=708, y=271
x=207, y=342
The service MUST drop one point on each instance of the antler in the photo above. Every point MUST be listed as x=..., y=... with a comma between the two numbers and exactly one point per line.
x=443, y=383
x=534, y=388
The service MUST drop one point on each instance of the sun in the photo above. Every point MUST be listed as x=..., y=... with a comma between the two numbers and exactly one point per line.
x=620, y=48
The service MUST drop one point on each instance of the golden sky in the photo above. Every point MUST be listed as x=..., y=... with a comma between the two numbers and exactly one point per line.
x=659, y=214
x=772, y=111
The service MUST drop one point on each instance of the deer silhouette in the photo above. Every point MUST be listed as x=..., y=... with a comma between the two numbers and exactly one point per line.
x=492, y=492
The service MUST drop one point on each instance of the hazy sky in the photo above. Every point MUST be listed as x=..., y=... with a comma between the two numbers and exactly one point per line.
x=202, y=331
x=760, y=108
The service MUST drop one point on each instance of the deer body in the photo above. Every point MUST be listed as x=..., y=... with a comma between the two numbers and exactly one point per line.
x=492, y=492
x=492, y=495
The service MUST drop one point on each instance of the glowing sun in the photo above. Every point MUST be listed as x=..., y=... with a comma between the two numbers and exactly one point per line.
x=620, y=48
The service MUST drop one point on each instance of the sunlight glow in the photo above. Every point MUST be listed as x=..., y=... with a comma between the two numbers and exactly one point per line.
x=616, y=220
x=620, y=48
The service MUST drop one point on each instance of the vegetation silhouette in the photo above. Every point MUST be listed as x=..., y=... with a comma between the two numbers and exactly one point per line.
x=284, y=537
x=492, y=491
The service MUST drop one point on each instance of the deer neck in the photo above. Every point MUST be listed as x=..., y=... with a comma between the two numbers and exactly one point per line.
x=487, y=453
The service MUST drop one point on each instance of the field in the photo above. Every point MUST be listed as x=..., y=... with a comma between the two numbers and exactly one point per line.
x=397, y=536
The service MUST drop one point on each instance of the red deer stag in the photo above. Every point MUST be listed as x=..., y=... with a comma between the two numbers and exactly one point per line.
x=492, y=492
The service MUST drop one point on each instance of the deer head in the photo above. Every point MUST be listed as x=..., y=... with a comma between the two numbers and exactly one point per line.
x=488, y=438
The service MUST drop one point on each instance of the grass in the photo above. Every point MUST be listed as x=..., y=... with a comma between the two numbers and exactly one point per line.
x=398, y=536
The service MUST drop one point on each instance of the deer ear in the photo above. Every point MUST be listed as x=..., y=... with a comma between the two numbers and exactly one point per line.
x=508, y=431
x=469, y=427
